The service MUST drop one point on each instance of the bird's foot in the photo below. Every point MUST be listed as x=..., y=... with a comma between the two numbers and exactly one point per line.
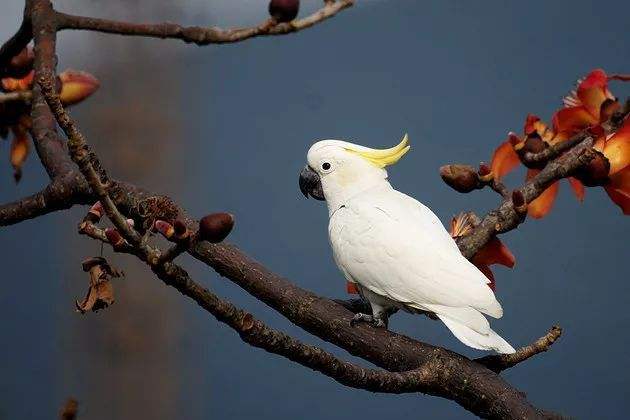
x=374, y=321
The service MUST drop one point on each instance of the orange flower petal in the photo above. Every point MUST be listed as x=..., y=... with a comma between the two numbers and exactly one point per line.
x=578, y=188
x=76, y=86
x=494, y=252
x=617, y=148
x=504, y=159
x=572, y=120
x=600, y=143
x=544, y=203
x=620, y=198
x=488, y=273
x=619, y=190
x=19, y=151
x=593, y=91
x=530, y=124
x=352, y=288
x=10, y=84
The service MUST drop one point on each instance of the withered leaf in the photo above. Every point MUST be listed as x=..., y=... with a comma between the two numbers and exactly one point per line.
x=101, y=291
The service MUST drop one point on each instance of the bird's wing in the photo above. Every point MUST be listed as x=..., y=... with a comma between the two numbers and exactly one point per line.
x=396, y=247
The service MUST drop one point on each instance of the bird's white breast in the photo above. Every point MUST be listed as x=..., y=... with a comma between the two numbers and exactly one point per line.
x=396, y=247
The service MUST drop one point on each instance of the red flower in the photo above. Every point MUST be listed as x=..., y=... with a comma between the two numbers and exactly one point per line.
x=74, y=87
x=494, y=252
x=616, y=148
x=587, y=107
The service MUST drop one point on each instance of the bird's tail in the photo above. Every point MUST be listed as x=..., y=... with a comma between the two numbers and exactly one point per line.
x=474, y=339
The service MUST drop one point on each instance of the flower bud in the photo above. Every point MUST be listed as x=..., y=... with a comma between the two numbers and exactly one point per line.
x=284, y=10
x=165, y=228
x=534, y=144
x=595, y=173
x=180, y=228
x=215, y=227
x=76, y=86
x=462, y=178
x=10, y=84
x=96, y=212
x=518, y=200
x=114, y=237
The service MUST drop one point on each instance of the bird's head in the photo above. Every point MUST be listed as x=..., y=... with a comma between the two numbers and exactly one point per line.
x=337, y=168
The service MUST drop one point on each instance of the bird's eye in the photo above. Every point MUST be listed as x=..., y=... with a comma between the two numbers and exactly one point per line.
x=325, y=166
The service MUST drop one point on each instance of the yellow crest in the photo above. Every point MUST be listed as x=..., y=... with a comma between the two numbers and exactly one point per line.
x=383, y=157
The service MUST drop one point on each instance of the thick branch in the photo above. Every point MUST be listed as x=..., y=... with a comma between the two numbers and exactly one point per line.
x=62, y=193
x=86, y=161
x=452, y=376
x=200, y=35
x=257, y=334
x=15, y=44
x=50, y=148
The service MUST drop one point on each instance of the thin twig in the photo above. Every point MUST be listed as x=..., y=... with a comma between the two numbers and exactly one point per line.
x=22, y=96
x=79, y=152
x=200, y=35
x=500, y=362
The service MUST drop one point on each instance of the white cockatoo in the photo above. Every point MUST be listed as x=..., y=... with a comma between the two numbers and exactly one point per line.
x=395, y=249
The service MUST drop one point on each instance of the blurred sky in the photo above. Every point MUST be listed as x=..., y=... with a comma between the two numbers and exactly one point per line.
x=226, y=128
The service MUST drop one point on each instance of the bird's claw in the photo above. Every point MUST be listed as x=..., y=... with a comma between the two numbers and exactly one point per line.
x=369, y=319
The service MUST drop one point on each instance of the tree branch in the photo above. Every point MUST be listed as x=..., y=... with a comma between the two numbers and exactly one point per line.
x=201, y=35
x=257, y=334
x=428, y=369
x=61, y=194
x=499, y=362
x=21, y=96
x=86, y=161
x=505, y=218
x=50, y=148
x=15, y=44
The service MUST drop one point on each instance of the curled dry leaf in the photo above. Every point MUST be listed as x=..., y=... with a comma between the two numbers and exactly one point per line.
x=101, y=291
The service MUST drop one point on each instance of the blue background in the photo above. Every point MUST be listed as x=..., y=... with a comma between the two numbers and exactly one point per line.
x=226, y=128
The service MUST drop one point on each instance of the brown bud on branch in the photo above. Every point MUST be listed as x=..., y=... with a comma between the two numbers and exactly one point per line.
x=114, y=237
x=215, y=227
x=595, y=173
x=181, y=230
x=95, y=213
x=518, y=200
x=462, y=178
x=284, y=10
x=166, y=229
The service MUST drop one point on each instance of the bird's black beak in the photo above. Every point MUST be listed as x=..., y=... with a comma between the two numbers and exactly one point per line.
x=310, y=184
